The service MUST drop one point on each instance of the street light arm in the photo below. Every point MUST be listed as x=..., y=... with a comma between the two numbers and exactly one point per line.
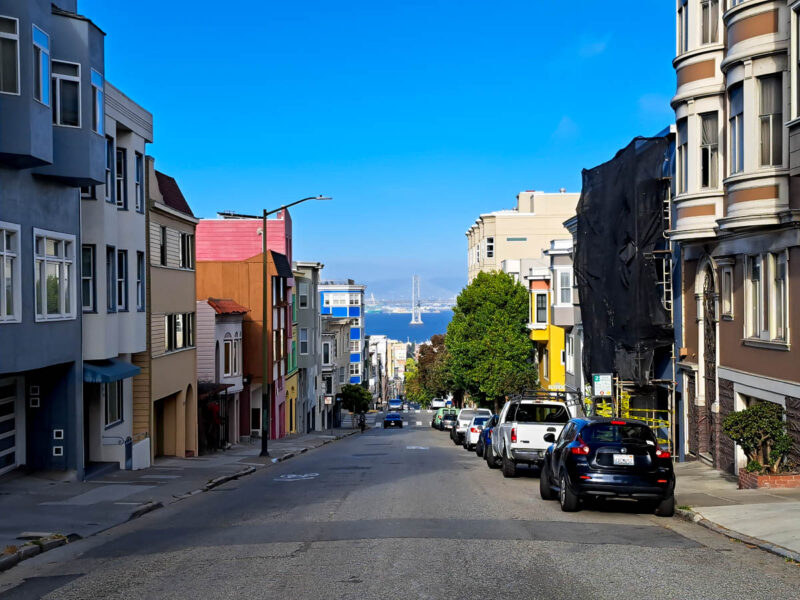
x=296, y=202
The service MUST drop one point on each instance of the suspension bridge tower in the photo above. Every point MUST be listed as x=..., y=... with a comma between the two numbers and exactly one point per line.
x=416, y=308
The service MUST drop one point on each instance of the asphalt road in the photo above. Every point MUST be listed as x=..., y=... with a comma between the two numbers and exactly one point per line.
x=398, y=513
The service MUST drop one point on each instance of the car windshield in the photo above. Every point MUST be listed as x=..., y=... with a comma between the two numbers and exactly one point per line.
x=449, y=417
x=466, y=414
x=608, y=433
x=541, y=413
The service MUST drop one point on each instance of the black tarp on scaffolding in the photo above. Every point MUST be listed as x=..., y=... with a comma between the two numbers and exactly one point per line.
x=620, y=225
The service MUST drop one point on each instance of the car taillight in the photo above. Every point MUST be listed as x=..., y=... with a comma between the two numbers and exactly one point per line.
x=618, y=423
x=662, y=453
x=662, y=481
x=473, y=430
x=581, y=449
x=513, y=434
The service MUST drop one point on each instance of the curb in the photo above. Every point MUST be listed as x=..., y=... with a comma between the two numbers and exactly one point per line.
x=144, y=509
x=34, y=548
x=694, y=517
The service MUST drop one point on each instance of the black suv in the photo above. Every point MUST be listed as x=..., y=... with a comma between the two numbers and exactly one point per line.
x=602, y=457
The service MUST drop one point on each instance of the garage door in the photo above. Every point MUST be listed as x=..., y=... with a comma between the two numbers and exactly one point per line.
x=8, y=431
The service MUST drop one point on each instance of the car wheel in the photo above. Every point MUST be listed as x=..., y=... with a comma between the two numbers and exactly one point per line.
x=490, y=459
x=545, y=491
x=401, y=425
x=566, y=497
x=479, y=449
x=509, y=466
x=666, y=508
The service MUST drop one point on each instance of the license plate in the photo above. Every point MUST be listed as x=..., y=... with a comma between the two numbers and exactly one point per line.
x=623, y=459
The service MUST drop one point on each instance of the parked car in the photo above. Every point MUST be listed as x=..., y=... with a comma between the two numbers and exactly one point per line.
x=485, y=436
x=437, y=418
x=395, y=404
x=601, y=457
x=448, y=421
x=518, y=437
x=473, y=431
x=437, y=403
x=465, y=416
x=392, y=419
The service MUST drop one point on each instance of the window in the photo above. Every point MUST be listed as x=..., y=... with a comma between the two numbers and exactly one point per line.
x=10, y=280
x=540, y=315
x=179, y=331
x=122, y=179
x=564, y=287
x=771, y=120
x=355, y=346
x=779, y=326
x=114, y=396
x=122, y=280
x=54, y=255
x=355, y=299
x=489, y=247
x=41, y=66
x=88, y=288
x=545, y=363
x=683, y=156
x=736, y=122
x=141, y=288
x=187, y=251
x=326, y=353
x=98, y=110
x=727, y=292
x=109, y=169
x=709, y=14
x=767, y=297
x=228, y=353
x=66, y=94
x=139, y=178
x=709, y=150
x=303, y=292
x=683, y=26
x=163, y=246
x=569, y=346
x=341, y=374
x=328, y=385
x=355, y=369
x=9, y=55
x=755, y=297
x=303, y=340
x=237, y=354
x=477, y=253
x=111, y=279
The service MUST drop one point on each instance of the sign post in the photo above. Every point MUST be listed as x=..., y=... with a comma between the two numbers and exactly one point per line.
x=602, y=387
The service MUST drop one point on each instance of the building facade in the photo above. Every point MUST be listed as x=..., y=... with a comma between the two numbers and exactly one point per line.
x=737, y=206
x=345, y=300
x=308, y=339
x=50, y=146
x=522, y=232
x=165, y=392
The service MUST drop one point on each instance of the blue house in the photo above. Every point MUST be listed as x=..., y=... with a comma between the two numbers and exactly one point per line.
x=345, y=300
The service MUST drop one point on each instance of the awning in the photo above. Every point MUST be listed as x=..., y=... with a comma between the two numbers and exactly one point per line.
x=106, y=371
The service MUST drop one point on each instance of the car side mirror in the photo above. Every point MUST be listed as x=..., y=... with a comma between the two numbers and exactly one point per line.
x=549, y=437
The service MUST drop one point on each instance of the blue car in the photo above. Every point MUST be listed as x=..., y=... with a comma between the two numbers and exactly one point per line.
x=392, y=419
x=485, y=438
x=607, y=457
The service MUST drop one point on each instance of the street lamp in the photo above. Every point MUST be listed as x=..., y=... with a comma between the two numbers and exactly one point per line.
x=265, y=402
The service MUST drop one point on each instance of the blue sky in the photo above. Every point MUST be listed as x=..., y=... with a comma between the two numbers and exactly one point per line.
x=415, y=116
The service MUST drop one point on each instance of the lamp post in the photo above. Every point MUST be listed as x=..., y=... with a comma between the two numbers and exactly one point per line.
x=265, y=401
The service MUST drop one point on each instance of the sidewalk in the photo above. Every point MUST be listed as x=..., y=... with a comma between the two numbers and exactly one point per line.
x=768, y=518
x=41, y=504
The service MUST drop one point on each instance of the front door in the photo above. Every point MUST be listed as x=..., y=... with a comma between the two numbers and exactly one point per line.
x=10, y=415
x=709, y=360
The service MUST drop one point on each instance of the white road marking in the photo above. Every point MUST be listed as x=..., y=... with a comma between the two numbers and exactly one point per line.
x=295, y=477
x=417, y=448
x=419, y=423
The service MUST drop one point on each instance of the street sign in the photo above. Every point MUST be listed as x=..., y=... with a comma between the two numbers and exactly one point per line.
x=328, y=400
x=602, y=385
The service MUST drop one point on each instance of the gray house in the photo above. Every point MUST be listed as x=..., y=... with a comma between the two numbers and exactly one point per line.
x=51, y=144
x=309, y=332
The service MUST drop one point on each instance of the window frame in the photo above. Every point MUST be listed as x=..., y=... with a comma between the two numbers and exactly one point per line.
x=14, y=37
x=122, y=280
x=15, y=258
x=712, y=150
x=683, y=27
x=736, y=132
x=98, y=102
x=162, y=246
x=141, y=282
x=121, y=178
x=726, y=292
x=326, y=348
x=490, y=247
x=682, y=155
x=138, y=168
x=108, y=192
x=355, y=369
x=706, y=22
x=120, y=396
x=301, y=334
x=569, y=350
x=559, y=288
x=67, y=293
x=302, y=293
x=754, y=298
x=772, y=124
x=227, y=355
x=187, y=251
x=536, y=308
x=91, y=278
x=111, y=279
x=56, y=92
x=44, y=82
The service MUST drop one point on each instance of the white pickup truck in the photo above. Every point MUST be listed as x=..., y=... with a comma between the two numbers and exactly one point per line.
x=518, y=438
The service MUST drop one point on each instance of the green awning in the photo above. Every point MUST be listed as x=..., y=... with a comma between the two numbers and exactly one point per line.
x=106, y=371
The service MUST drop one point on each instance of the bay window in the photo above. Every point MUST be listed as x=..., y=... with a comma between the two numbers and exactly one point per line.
x=709, y=15
x=540, y=309
x=98, y=106
x=770, y=117
x=303, y=338
x=736, y=124
x=10, y=280
x=709, y=150
x=111, y=279
x=9, y=55
x=683, y=155
x=122, y=280
x=66, y=93
x=41, y=66
x=683, y=26
x=121, y=179
x=54, y=256
x=88, y=290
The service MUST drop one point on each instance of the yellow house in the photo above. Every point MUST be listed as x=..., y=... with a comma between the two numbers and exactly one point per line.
x=549, y=338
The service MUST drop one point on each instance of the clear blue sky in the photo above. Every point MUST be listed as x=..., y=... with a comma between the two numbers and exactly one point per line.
x=415, y=115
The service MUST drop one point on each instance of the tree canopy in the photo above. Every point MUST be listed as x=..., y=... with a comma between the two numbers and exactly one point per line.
x=489, y=352
x=355, y=398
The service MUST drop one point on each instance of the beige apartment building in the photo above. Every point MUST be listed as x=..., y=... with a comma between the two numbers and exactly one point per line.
x=737, y=207
x=165, y=392
x=519, y=233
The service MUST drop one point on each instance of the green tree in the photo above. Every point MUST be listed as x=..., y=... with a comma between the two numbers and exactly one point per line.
x=355, y=398
x=490, y=355
x=760, y=431
x=415, y=391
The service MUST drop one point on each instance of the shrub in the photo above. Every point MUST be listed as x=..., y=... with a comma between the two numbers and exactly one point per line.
x=760, y=432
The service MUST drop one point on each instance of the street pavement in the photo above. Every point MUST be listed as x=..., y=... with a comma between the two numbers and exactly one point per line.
x=402, y=513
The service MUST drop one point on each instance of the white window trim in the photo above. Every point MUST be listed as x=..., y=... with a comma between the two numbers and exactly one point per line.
x=16, y=276
x=727, y=271
x=557, y=287
x=569, y=350
x=121, y=280
x=57, y=92
x=91, y=277
x=300, y=341
x=535, y=323
x=141, y=282
x=120, y=385
x=138, y=177
x=490, y=247
x=70, y=313
x=11, y=36
x=45, y=101
x=227, y=356
x=121, y=178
